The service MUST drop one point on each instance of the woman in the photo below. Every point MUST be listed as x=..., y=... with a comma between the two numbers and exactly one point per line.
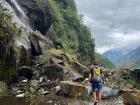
x=96, y=77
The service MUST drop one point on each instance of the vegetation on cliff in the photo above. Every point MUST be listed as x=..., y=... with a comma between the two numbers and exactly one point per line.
x=70, y=31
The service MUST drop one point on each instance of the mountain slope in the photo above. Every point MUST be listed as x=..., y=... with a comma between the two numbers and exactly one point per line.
x=114, y=55
x=105, y=62
x=133, y=58
x=70, y=31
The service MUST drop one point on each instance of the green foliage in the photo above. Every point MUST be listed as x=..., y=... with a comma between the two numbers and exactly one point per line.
x=30, y=93
x=74, y=36
x=105, y=62
x=40, y=3
x=55, y=52
x=3, y=87
x=6, y=22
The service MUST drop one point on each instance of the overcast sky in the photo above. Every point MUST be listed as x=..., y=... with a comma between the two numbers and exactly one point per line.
x=113, y=23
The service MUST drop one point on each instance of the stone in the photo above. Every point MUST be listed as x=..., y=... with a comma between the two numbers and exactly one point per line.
x=55, y=90
x=54, y=72
x=34, y=83
x=40, y=79
x=109, y=92
x=81, y=69
x=20, y=95
x=73, y=89
x=76, y=77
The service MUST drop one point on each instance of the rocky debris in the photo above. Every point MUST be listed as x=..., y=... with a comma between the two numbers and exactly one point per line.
x=34, y=83
x=54, y=72
x=73, y=89
x=56, y=61
x=55, y=90
x=42, y=91
x=131, y=96
x=83, y=70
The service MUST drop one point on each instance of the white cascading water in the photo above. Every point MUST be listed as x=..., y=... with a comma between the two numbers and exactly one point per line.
x=21, y=22
x=18, y=8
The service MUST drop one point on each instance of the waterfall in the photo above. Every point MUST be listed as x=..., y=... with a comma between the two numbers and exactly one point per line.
x=18, y=8
x=21, y=21
x=18, y=15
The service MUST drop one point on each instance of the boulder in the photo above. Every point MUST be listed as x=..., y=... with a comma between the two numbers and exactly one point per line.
x=109, y=92
x=54, y=72
x=83, y=70
x=73, y=89
x=131, y=97
x=76, y=77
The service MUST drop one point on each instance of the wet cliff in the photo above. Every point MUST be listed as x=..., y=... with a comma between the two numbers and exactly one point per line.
x=28, y=28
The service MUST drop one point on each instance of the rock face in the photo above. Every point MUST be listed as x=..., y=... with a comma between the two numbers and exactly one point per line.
x=73, y=89
x=38, y=12
x=35, y=47
x=54, y=72
x=25, y=57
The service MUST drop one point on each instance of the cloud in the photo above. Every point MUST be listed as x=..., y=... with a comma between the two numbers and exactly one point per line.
x=115, y=24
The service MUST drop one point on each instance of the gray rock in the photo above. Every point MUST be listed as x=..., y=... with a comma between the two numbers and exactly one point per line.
x=109, y=92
